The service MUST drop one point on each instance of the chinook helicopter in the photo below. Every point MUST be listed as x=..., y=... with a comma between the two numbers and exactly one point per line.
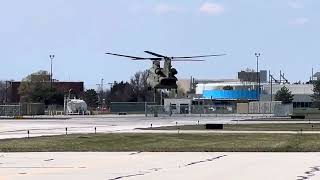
x=163, y=78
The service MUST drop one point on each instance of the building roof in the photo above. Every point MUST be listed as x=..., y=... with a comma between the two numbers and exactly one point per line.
x=216, y=80
x=317, y=75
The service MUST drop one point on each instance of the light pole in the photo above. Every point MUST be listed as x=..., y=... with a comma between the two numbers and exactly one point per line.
x=258, y=78
x=51, y=58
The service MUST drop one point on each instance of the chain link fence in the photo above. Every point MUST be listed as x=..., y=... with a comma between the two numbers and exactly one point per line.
x=10, y=110
x=22, y=109
x=160, y=110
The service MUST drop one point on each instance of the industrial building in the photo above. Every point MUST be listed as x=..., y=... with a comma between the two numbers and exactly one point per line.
x=302, y=93
x=245, y=89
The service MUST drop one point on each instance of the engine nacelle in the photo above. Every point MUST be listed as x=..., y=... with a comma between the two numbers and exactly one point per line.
x=174, y=71
x=158, y=71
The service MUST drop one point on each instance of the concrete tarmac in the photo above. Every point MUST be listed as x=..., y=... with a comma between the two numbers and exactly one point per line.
x=119, y=124
x=159, y=166
x=103, y=124
x=145, y=165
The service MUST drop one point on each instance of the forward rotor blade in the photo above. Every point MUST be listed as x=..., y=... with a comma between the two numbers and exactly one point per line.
x=187, y=57
x=151, y=59
x=155, y=54
x=188, y=60
x=121, y=55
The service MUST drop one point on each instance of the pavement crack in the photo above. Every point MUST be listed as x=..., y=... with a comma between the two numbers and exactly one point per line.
x=137, y=174
x=49, y=160
x=203, y=161
x=135, y=153
x=131, y=175
x=309, y=174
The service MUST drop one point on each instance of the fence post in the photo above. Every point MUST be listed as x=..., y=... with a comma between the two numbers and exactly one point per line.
x=66, y=131
x=145, y=109
x=28, y=134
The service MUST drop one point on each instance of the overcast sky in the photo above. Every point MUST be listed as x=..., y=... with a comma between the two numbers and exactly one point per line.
x=79, y=32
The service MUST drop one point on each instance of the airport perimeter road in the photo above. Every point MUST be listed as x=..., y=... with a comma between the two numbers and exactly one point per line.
x=103, y=124
x=159, y=166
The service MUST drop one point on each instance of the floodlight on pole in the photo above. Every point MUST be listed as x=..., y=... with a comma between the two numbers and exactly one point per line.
x=258, y=78
x=51, y=58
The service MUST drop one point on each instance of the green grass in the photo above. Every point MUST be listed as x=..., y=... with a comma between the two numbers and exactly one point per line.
x=167, y=143
x=250, y=127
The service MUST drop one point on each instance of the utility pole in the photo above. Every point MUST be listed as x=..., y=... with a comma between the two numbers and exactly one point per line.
x=280, y=77
x=271, y=78
x=100, y=89
x=51, y=58
x=258, y=78
x=111, y=85
x=102, y=85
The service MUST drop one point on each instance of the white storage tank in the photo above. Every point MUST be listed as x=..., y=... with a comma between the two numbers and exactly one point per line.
x=76, y=106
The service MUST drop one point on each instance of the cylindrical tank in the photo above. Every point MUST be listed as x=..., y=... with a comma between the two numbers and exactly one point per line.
x=76, y=106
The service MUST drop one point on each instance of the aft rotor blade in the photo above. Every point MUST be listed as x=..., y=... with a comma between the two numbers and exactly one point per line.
x=155, y=54
x=121, y=55
x=188, y=60
x=187, y=57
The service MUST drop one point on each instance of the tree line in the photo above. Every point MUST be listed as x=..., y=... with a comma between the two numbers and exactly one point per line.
x=36, y=88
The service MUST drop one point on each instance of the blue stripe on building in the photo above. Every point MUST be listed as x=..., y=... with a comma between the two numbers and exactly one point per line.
x=230, y=94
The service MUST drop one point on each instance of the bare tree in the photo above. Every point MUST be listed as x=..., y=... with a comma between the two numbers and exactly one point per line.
x=140, y=86
x=139, y=80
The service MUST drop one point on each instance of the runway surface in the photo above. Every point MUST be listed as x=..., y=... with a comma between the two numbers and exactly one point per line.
x=100, y=124
x=159, y=166
x=117, y=124
x=145, y=165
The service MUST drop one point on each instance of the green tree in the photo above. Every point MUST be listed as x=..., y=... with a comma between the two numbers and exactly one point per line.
x=36, y=88
x=91, y=98
x=316, y=94
x=284, y=95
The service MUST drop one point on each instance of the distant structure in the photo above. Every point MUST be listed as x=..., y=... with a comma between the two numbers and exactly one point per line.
x=302, y=93
x=76, y=106
x=244, y=89
x=251, y=76
x=316, y=76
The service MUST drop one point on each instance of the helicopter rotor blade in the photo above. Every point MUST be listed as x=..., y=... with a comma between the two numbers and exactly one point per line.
x=146, y=59
x=121, y=55
x=187, y=57
x=155, y=54
x=196, y=60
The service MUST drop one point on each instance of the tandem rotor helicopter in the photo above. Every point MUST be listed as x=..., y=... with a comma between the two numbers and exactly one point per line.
x=163, y=78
